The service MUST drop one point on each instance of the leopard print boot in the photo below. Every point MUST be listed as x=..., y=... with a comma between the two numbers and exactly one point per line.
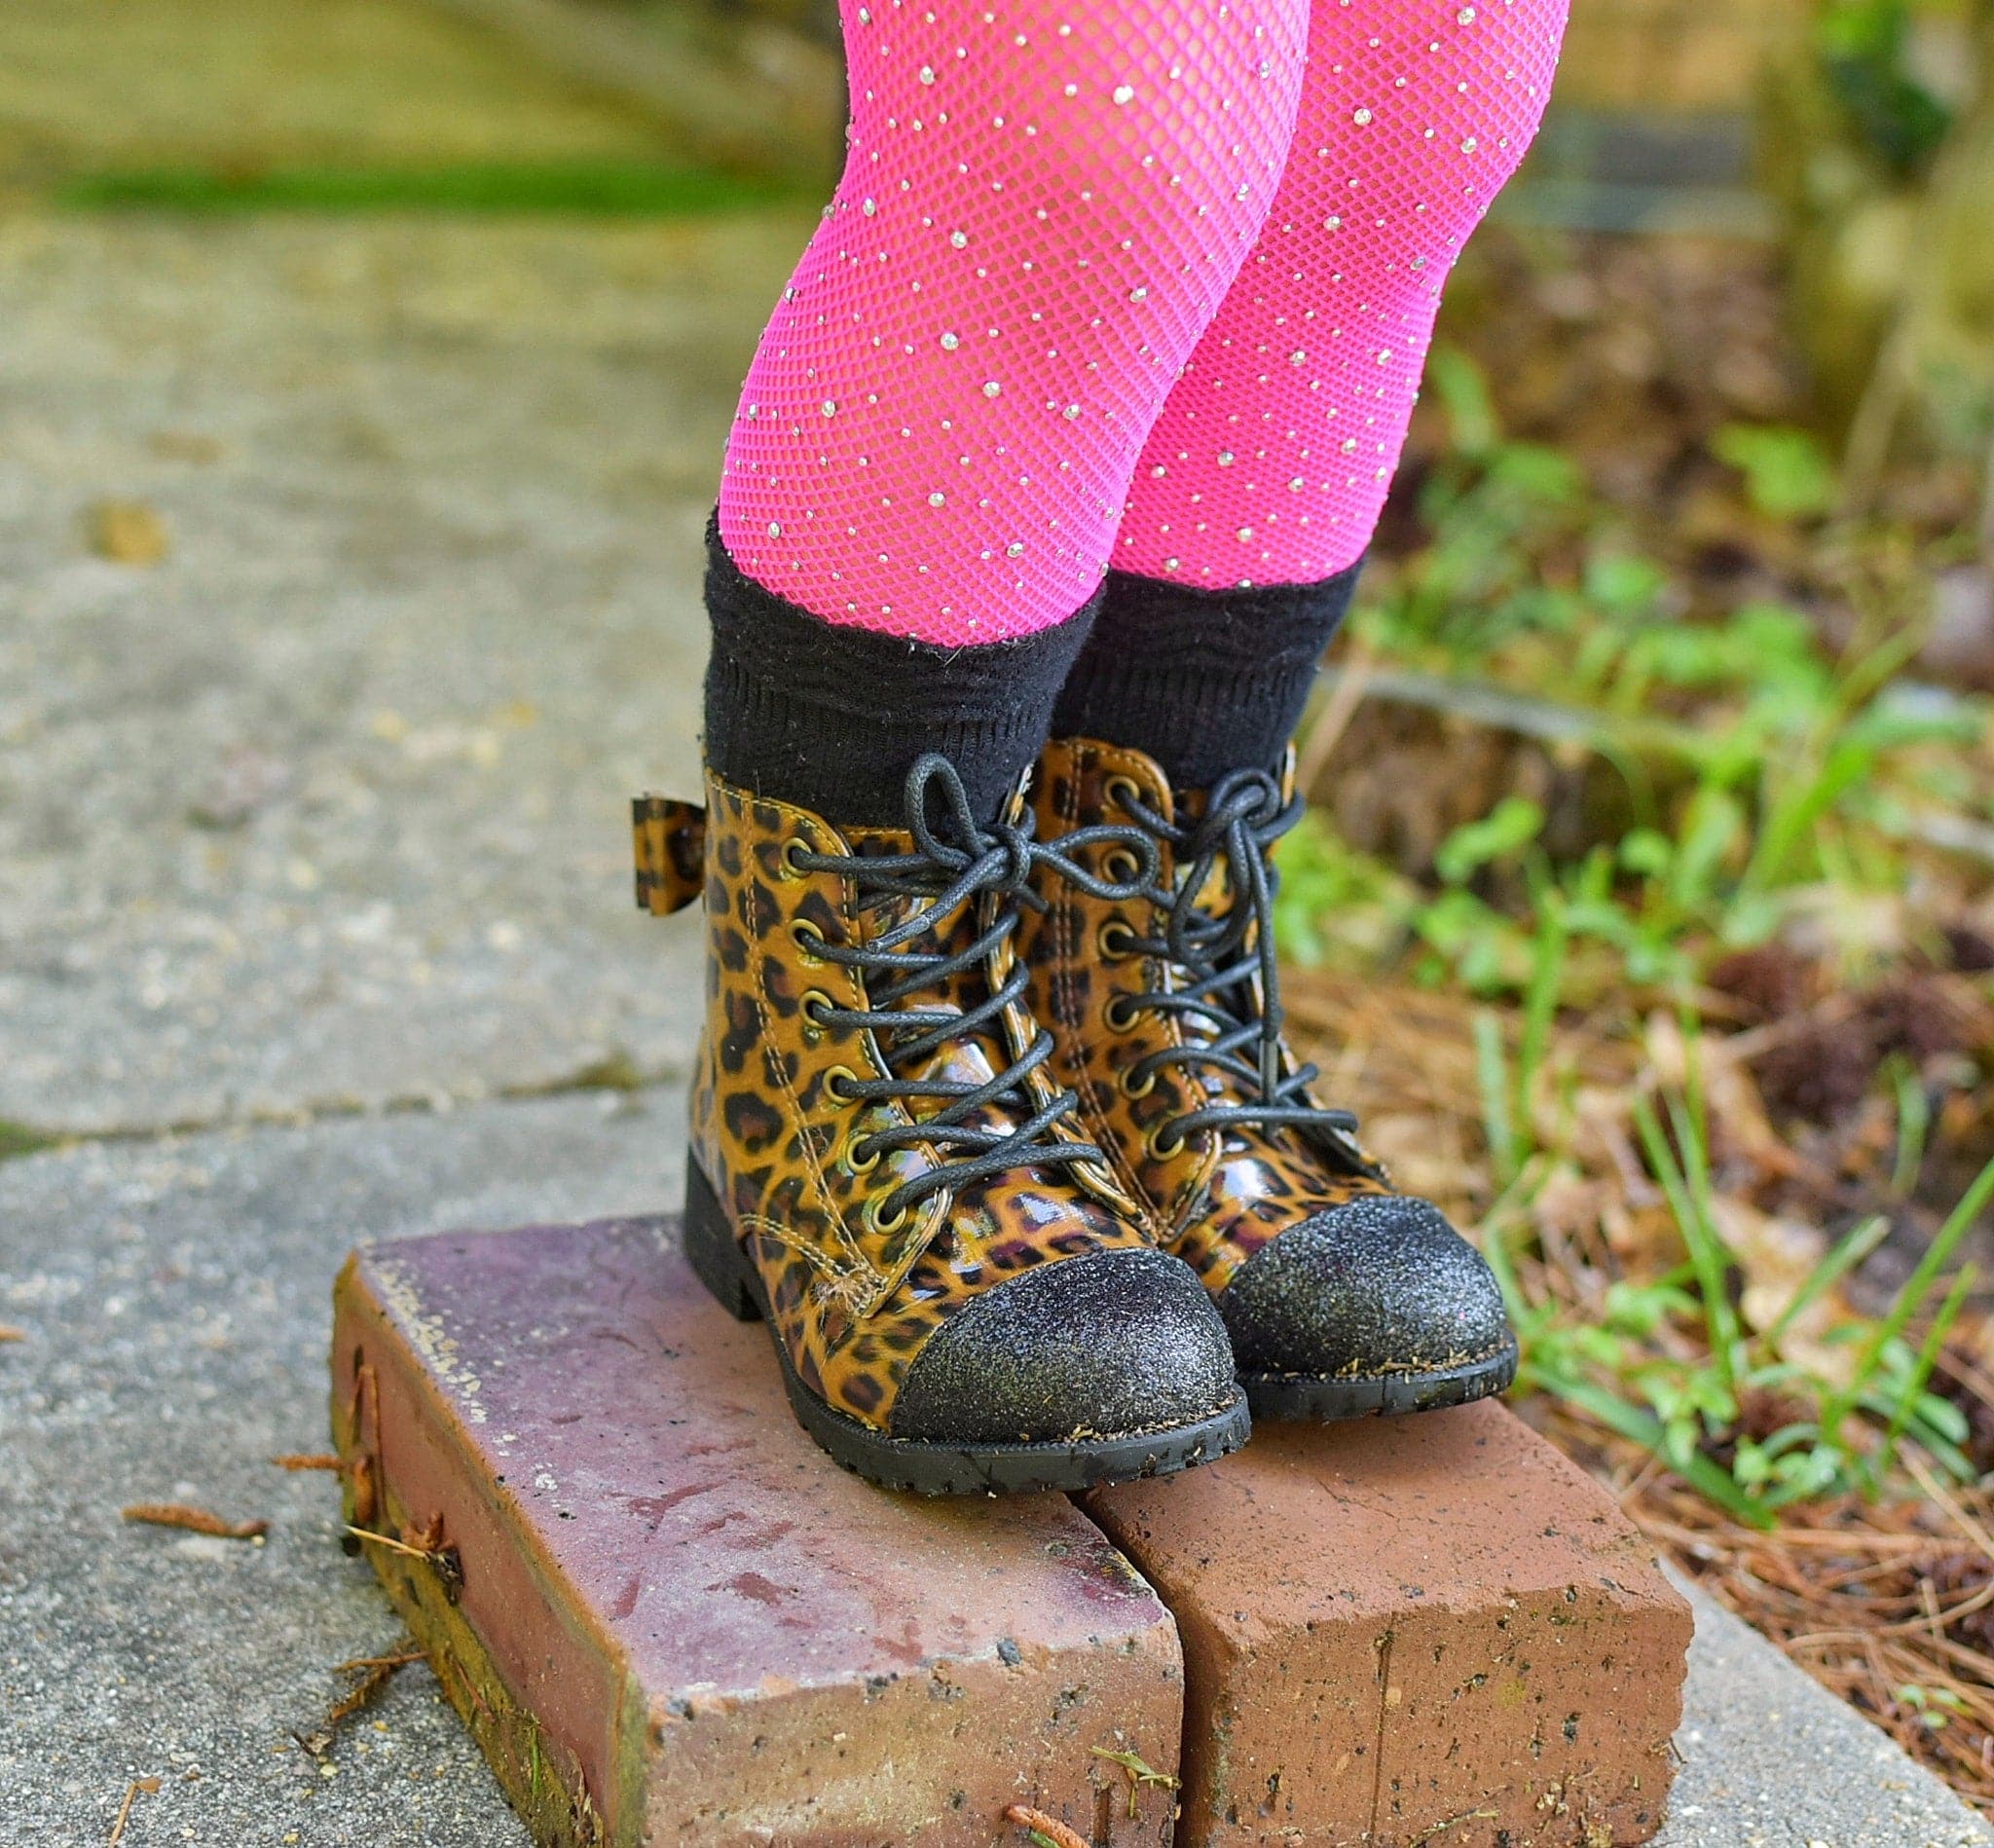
x=1343, y=1297
x=961, y=1298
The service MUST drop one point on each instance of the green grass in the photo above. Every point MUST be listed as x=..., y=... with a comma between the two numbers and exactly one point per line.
x=17, y=1138
x=1770, y=791
x=588, y=189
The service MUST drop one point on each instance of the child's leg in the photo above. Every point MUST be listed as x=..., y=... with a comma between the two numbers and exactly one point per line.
x=1043, y=203
x=1261, y=480
x=1255, y=496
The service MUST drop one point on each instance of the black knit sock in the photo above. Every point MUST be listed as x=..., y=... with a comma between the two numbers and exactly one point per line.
x=831, y=718
x=1204, y=681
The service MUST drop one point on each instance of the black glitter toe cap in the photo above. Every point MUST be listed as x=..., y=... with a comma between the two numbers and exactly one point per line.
x=1112, y=1342
x=1382, y=1284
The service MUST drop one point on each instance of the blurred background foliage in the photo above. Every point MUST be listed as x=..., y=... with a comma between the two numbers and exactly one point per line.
x=1646, y=905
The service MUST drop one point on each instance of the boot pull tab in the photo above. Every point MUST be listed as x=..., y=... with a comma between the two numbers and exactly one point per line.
x=671, y=853
x=1288, y=775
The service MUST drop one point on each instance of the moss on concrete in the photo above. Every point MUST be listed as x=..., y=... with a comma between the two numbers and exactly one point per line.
x=540, y=1779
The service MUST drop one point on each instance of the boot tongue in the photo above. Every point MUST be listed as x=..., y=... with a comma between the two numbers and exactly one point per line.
x=1224, y=907
x=973, y=1057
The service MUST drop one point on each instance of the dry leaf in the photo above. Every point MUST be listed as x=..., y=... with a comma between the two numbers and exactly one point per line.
x=375, y=1672
x=1777, y=1256
x=1735, y=1115
x=127, y=533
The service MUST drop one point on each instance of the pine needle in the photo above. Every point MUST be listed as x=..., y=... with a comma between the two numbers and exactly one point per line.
x=1046, y=1831
x=178, y=1514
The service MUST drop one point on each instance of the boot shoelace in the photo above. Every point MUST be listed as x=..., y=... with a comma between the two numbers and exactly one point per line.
x=958, y=865
x=1233, y=986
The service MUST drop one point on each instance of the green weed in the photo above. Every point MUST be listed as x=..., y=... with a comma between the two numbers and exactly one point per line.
x=1787, y=475
x=592, y=188
x=1687, y=1398
x=17, y=1138
x=1771, y=780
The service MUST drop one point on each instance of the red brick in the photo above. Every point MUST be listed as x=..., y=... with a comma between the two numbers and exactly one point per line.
x=667, y=1616
x=1409, y=1631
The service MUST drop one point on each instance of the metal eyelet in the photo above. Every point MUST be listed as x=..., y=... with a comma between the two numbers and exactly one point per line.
x=877, y=1221
x=1115, y=941
x=1118, y=1013
x=855, y=1163
x=1159, y=1149
x=812, y=1007
x=787, y=854
x=1121, y=866
x=1131, y=1088
x=1123, y=790
x=834, y=1080
x=807, y=939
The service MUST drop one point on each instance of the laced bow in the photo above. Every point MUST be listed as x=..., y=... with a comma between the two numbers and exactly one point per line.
x=1233, y=984
x=950, y=865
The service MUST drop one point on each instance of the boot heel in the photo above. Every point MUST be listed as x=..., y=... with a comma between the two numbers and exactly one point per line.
x=716, y=1258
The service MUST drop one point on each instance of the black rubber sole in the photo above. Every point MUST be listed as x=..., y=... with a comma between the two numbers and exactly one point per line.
x=1295, y=1397
x=927, y=1468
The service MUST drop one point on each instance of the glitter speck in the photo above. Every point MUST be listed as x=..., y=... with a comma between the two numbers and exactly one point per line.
x=870, y=207
x=950, y=342
x=1361, y=117
x=1383, y=356
x=1072, y=411
x=829, y=407
x=1469, y=145
x=927, y=73
x=1225, y=458
x=938, y=500
x=775, y=530
x=1465, y=16
x=1138, y=295
x=960, y=239
x=1296, y=485
x=1013, y=548
x=1245, y=532
x=1332, y=223
x=1124, y=94
x=991, y=388
x=1298, y=357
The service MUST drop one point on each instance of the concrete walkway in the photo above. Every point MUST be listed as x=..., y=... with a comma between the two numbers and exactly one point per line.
x=329, y=808
x=315, y=923
x=175, y=1294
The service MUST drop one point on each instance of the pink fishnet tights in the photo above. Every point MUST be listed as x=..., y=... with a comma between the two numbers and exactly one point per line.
x=1029, y=270
x=1042, y=205
x=1272, y=455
